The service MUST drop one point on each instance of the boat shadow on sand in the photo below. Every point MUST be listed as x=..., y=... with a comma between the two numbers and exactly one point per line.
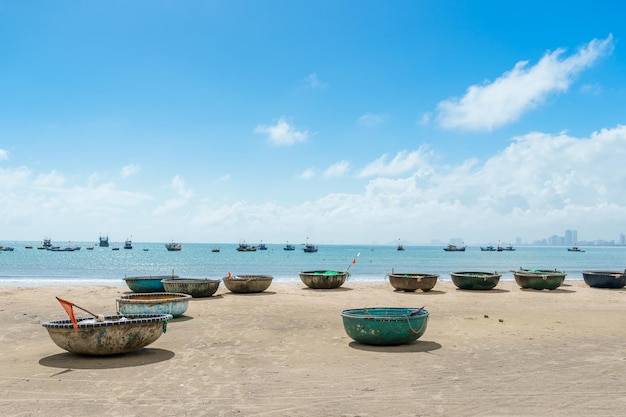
x=420, y=293
x=70, y=361
x=416, y=346
x=339, y=289
x=554, y=291
x=491, y=291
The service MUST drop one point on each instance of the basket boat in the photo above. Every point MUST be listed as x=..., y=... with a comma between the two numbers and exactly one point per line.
x=150, y=283
x=605, y=279
x=324, y=279
x=247, y=283
x=412, y=281
x=153, y=303
x=475, y=280
x=116, y=334
x=196, y=287
x=385, y=326
x=539, y=279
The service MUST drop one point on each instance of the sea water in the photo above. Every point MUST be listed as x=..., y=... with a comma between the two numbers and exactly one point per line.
x=367, y=263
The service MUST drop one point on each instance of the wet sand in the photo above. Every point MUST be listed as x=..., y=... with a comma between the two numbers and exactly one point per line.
x=284, y=352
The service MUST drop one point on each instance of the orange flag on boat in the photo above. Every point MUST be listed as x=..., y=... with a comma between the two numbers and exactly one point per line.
x=69, y=309
x=230, y=275
x=354, y=260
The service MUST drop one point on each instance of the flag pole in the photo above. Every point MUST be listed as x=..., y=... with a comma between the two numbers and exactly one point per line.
x=353, y=262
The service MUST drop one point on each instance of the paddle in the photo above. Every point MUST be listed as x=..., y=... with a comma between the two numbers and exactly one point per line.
x=69, y=309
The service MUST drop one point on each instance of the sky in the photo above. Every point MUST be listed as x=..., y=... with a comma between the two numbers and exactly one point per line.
x=341, y=122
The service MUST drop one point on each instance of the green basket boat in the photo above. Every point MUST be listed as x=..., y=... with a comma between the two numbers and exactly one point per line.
x=539, y=279
x=385, y=326
x=475, y=280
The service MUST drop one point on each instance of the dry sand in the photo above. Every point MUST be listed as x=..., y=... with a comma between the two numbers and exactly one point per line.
x=504, y=352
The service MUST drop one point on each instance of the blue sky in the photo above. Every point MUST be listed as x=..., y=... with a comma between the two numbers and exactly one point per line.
x=341, y=121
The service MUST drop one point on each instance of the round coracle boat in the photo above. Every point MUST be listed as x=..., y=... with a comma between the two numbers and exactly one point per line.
x=116, y=334
x=324, y=279
x=475, y=280
x=385, y=326
x=153, y=303
x=605, y=279
x=539, y=279
x=247, y=283
x=412, y=281
x=150, y=283
x=196, y=287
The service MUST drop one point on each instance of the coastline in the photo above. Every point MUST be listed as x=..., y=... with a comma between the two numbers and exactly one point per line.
x=284, y=352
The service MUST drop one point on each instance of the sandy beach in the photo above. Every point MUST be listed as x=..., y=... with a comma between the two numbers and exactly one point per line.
x=284, y=352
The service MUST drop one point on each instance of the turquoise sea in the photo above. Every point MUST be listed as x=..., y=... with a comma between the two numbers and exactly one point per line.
x=104, y=266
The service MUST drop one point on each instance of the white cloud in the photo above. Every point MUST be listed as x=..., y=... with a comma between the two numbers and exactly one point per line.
x=4, y=155
x=425, y=118
x=313, y=81
x=403, y=162
x=503, y=101
x=129, y=170
x=183, y=196
x=307, y=174
x=282, y=134
x=338, y=169
x=539, y=185
x=370, y=119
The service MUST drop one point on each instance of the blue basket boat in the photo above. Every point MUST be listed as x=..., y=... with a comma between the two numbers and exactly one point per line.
x=153, y=303
x=385, y=326
x=150, y=283
x=605, y=279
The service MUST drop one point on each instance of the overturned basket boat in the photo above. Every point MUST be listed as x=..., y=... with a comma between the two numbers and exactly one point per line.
x=475, y=280
x=412, y=281
x=385, y=326
x=149, y=283
x=153, y=303
x=539, y=279
x=247, y=283
x=116, y=334
x=605, y=279
x=324, y=279
x=196, y=287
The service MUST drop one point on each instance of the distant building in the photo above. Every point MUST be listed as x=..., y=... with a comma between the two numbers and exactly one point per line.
x=571, y=237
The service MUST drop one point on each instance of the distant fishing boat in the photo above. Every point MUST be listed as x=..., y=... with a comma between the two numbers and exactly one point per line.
x=400, y=247
x=289, y=246
x=215, y=250
x=244, y=247
x=487, y=248
x=454, y=248
x=308, y=248
x=509, y=248
x=173, y=246
x=575, y=249
x=262, y=246
x=104, y=241
x=128, y=244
